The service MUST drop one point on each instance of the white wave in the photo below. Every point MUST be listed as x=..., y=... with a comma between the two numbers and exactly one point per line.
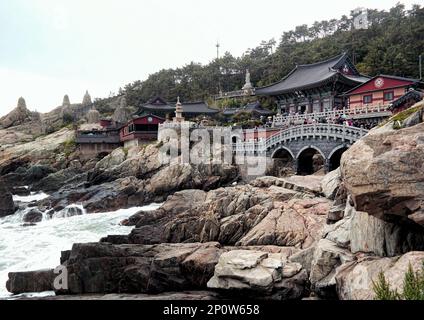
x=32, y=197
x=39, y=246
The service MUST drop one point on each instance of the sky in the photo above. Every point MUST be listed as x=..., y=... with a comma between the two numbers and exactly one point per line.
x=49, y=48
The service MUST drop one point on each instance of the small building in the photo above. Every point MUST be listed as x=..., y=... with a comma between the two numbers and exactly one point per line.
x=140, y=130
x=163, y=109
x=97, y=142
x=380, y=90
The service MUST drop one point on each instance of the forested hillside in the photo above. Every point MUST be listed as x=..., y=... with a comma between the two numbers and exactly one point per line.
x=391, y=45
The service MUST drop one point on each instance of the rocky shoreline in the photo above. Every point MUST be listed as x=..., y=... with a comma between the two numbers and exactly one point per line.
x=215, y=235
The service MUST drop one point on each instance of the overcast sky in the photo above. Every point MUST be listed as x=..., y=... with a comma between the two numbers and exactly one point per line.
x=49, y=48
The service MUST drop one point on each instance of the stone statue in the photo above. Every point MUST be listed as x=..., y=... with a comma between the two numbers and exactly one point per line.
x=248, y=87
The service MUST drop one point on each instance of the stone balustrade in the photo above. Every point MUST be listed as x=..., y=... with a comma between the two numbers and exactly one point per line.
x=350, y=113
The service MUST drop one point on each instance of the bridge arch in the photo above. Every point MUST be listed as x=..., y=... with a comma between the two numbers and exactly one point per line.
x=335, y=156
x=282, y=148
x=310, y=147
x=307, y=161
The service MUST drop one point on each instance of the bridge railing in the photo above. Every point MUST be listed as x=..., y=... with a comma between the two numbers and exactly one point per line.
x=354, y=113
x=322, y=131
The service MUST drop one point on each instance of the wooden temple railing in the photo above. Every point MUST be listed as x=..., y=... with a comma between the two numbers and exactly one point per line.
x=350, y=113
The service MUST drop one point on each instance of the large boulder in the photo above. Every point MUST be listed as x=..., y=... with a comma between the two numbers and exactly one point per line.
x=7, y=206
x=297, y=222
x=384, y=174
x=109, y=268
x=33, y=216
x=257, y=273
x=31, y=281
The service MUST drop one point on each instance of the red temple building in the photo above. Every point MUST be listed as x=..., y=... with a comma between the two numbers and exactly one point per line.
x=140, y=130
x=381, y=90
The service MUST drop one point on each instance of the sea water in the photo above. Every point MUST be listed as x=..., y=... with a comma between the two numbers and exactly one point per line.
x=39, y=246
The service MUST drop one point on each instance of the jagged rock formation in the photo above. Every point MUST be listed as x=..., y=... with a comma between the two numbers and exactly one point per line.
x=122, y=114
x=19, y=115
x=93, y=116
x=86, y=101
x=66, y=102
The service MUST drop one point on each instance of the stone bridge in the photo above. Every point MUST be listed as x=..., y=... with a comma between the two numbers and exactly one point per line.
x=299, y=144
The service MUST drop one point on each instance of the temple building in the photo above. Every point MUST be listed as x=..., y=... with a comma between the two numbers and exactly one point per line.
x=97, y=142
x=161, y=108
x=315, y=87
x=381, y=90
x=140, y=130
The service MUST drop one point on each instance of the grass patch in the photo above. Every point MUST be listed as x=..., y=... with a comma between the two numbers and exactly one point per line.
x=69, y=146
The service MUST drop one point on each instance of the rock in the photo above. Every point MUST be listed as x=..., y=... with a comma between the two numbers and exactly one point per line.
x=327, y=257
x=33, y=216
x=256, y=272
x=330, y=184
x=355, y=279
x=372, y=235
x=57, y=180
x=68, y=212
x=174, y=296
x=115, y=158
x=17, y=116
x=20, y=191
x=7, y=206
x=304, y=258
x=336, y=213
x=306, y=184
x=36, y=173
x=384, y=173
x=242, y=215
x=31, y=281
x=108, y=268
x=339, y=233
x=298, y=222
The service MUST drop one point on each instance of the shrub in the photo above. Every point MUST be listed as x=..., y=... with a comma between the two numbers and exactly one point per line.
x=69, y=146
x=413, y=286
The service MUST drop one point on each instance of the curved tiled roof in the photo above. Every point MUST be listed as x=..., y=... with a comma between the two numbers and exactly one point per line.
x=159, y=104
x=310, y=75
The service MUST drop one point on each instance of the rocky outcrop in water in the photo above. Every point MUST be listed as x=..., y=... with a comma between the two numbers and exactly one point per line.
x=7, y=206
x=33, y=281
